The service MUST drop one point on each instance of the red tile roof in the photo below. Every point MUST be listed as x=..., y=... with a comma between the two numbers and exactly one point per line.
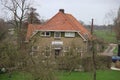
x=60, y=22
x=31, y=29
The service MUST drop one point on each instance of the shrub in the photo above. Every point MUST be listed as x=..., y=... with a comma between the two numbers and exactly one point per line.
x=117, y=64
x=102, y=62
x=68, y=63
x=87, y=63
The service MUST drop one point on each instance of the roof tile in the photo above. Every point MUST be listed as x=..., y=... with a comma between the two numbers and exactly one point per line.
x=59, y=22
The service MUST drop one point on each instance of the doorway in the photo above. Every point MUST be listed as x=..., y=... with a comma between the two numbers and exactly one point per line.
x=57, y=52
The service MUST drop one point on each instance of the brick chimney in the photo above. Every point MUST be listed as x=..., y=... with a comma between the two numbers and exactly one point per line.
x=61, y=10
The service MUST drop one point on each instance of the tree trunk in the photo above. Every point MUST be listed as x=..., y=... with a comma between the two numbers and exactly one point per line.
x=94, y=60
x=118, y=49
x=93, y=52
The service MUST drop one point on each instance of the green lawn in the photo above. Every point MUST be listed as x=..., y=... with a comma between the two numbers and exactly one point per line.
x=16, y=76
x=101, y=75
x=106, y=35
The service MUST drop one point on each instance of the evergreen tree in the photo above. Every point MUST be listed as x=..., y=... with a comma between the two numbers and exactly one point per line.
x=32, y=16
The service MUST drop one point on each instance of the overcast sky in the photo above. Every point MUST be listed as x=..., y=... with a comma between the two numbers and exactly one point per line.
x=83, y=10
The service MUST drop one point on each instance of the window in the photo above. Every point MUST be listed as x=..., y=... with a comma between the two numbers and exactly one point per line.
x=69, y=34
x=57, y=34
x=45, y=33
x=66, y=49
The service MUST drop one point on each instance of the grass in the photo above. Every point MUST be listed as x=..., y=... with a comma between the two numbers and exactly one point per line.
x=16, y=76
x=63, y=75
x=106, y=35
x=101, y=75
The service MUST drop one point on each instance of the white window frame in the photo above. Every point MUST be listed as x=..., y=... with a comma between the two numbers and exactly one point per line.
x=55, y=35
x=69, y=34
x=45, y=34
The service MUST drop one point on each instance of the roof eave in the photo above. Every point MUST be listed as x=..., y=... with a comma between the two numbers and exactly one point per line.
x=82, y=37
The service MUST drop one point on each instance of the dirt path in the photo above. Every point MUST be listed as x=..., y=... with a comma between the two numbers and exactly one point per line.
x=109, y=50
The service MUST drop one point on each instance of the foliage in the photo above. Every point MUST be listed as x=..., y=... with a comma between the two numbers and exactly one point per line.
x=7, y=55
x=18, y=10
x=69, y=63
x=71, y=59
x=40, y=68
x=117, y=64
x=117, y=29
x=3, y=29
x=32, y=16
x=117, y=25
x=102, y=62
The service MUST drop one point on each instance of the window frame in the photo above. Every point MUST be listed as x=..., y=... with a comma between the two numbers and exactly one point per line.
x=45, y=34
x=55, y=35
x=68, y=34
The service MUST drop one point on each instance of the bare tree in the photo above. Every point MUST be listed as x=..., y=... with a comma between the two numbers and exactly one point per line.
x=18, y=9
x=3, y=29
x=117, y=30
x=109, y=17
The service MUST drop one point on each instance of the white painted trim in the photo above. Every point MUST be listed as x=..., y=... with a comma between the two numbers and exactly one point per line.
x=34, y=33
x=82, y=36
x=61, y=31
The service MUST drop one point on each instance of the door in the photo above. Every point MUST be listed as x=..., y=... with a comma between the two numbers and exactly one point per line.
x=57, y=52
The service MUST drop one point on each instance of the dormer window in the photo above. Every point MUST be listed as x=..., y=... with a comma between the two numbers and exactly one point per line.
x=69, y=34
x=47, y=34
x=57, y=34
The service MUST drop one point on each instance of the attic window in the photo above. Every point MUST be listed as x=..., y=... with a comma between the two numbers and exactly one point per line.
x=69, y=34
x=57, y=35
x=45, y=33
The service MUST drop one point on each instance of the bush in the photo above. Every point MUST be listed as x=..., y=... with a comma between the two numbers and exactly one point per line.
x=3, y=70
x=102, y=62
x=87, y=63
x=117, y=64
x=68, y=63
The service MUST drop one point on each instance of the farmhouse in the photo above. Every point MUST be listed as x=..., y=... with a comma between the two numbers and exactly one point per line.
x=59, y=35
